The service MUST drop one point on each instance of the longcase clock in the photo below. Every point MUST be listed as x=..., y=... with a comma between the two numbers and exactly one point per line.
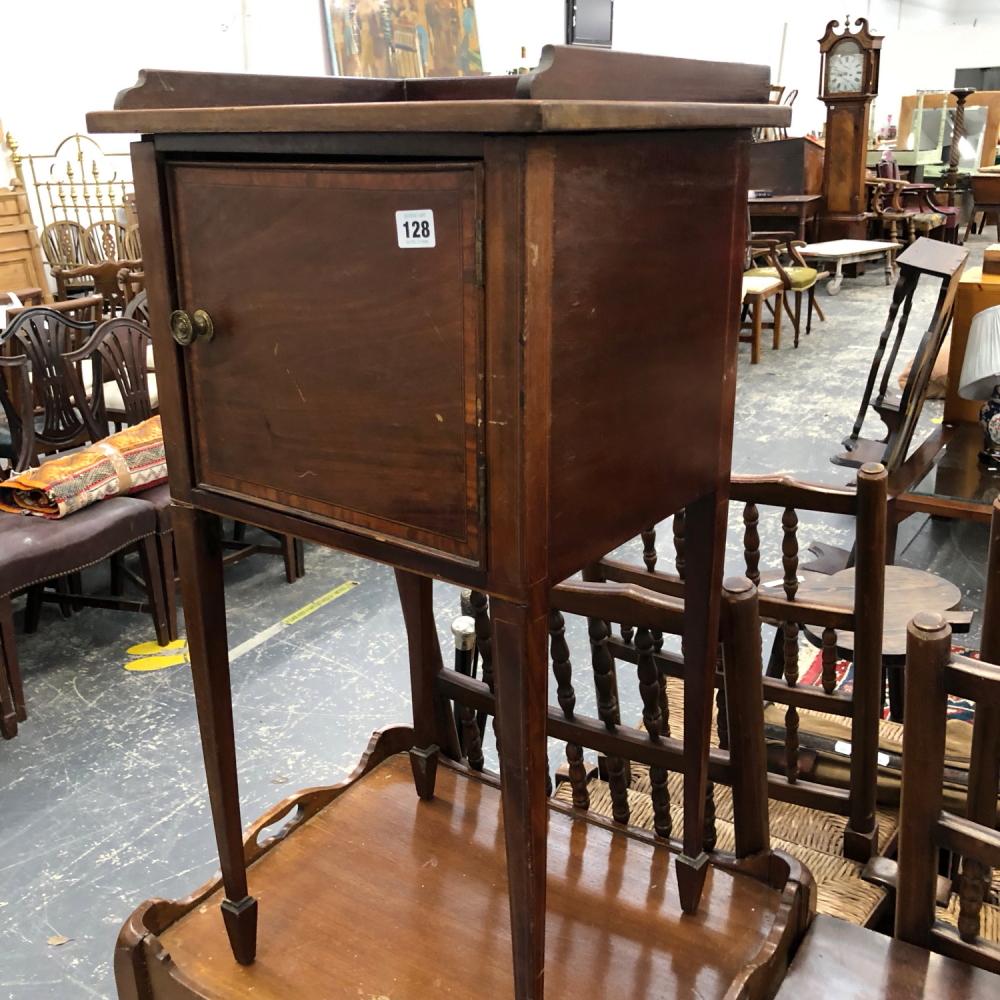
x=848, y=82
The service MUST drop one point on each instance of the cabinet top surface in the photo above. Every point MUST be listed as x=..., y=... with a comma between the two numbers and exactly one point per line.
x=484, y=116
x=572, y=89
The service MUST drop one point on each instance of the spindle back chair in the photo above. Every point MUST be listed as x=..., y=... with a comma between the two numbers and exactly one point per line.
x=862, y=705
x=652, y=746
x=933, y=673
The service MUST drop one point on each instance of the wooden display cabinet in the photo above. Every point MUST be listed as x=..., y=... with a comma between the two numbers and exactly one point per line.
x=495, y=399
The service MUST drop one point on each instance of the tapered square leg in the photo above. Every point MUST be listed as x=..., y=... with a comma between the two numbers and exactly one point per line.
x=704, y=549
x=241, y=927
x=520, y=672
x=423, y=763
x=199, y=554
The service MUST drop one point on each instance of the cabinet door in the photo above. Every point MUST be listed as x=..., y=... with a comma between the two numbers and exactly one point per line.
x=343, y=378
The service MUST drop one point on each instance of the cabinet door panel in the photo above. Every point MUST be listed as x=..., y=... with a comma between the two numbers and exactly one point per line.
x=342, y=376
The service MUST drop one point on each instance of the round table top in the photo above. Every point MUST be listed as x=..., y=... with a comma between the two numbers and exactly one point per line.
x=907, y=592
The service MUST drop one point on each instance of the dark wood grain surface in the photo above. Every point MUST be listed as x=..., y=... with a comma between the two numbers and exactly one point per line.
x=394, y=897
x=445, y=116
x=907, y=592
x=356, y=396
x=839, y=961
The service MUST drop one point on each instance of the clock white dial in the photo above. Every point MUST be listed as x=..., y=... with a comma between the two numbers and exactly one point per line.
x=844, y=72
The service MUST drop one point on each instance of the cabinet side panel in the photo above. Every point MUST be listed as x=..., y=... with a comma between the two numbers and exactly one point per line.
x=647, y=256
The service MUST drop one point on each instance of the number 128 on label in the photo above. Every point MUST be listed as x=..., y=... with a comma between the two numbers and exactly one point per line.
x=415, y=228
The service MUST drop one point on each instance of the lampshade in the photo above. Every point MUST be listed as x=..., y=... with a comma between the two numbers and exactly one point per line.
x=981, y=370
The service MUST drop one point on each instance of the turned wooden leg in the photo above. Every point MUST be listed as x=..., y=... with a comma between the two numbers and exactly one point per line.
x=779, y=301
x=521, y=664
x=704, y=550
x=199, y=553
x=798, y=317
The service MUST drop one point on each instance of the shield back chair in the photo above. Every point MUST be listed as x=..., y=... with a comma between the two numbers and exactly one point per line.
x=36, y=551
x=105, y=279
x=120, y=351
x=797, y=277
x=137, y=308
x=839, y=821
x=34, y=344
x=105, y=240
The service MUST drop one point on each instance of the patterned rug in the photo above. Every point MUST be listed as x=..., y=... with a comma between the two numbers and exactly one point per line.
x=811, y=672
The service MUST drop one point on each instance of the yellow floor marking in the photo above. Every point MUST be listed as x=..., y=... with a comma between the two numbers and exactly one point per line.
x=155, y=657
x=147, y=648
x=320, y=602
x=157, y=662
x=937, y=420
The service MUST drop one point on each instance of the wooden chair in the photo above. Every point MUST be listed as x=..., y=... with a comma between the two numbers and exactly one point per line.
x=63, y=244
x=104, y=278
x=851, y=820
x=131, y=283
x=26, y=296
x=40, y=337
x=137, y=308
x=946, y=934
x=118, y=354
x=106, y=240
x=83, y=309
x=797, y=276
x=757, y=292
x=894, y=203
x=644, y=789
x=36, y=552
x=133, y=246
x=986, y=202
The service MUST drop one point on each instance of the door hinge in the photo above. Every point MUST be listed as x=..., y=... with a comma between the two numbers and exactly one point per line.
x=480, y=266
x=481, y=490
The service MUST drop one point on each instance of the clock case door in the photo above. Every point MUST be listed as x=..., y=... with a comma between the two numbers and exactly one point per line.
x=343, y=377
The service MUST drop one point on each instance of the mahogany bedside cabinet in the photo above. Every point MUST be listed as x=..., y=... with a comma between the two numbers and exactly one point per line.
x=483, y=330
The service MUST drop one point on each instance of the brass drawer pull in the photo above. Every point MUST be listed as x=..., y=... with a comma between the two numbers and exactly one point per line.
x=186, y=326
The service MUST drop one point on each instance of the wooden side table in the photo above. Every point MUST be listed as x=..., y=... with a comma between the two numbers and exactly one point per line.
x=756, y=291
x=841, y=252
x=907, y=593
x=804, y=208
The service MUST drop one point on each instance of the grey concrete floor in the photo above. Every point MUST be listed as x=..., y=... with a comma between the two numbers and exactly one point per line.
x=102, y=796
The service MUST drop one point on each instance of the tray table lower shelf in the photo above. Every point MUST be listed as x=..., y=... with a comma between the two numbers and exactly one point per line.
x=378, y=894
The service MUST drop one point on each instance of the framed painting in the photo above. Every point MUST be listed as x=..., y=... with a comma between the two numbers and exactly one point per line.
x=403, y=38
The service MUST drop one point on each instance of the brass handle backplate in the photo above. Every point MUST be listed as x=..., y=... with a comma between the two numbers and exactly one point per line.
x=186, y=326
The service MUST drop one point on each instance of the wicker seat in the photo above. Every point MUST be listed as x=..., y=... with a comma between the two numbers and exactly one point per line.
x=840, y=890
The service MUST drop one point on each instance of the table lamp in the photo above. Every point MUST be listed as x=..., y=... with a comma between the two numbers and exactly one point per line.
x=981, y=380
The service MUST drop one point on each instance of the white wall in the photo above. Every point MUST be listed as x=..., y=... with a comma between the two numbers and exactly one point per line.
x=42, y=99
